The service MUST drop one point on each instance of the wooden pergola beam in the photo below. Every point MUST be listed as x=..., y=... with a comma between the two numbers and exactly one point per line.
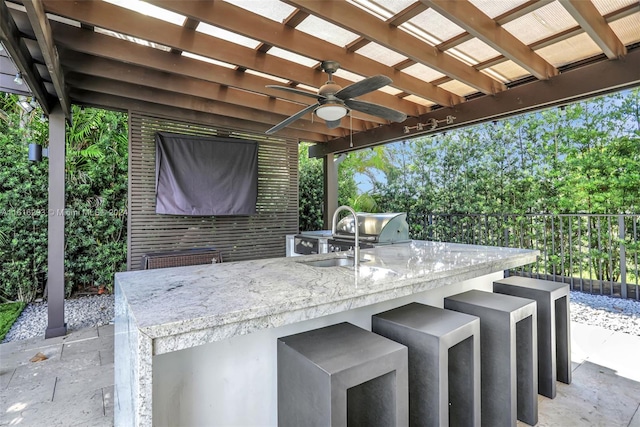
x=96, y=44
x=101, y=100
x=464, y=14
x=555, y=38
x=189, y=24
x=233, y=18
x=158, y=96
x=571, y=86
x=508, y=16
x=360, y=22
x=595, y=25
x=398, y=19
x=44, y=37
x=109, y=69
x=407, y=13
x=11, y=39
x=118, y=19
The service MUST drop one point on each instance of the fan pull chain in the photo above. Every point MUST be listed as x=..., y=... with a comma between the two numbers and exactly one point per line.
x=351, y=130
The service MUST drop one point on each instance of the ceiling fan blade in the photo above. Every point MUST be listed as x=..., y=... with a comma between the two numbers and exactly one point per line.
x=333, y=123
x=376, y=110
x=291, y=119
x=297, y=91
x=363, y=86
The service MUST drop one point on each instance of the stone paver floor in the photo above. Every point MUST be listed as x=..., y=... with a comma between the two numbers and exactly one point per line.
x=74, y=386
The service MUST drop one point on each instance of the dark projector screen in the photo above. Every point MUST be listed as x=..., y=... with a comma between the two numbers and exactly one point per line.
x=205, y=175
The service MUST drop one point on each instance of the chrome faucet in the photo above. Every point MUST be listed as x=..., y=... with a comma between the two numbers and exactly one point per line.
x=356, y=249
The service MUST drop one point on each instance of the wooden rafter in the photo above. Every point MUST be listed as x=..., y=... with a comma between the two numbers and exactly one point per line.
x=466, y=15
x=553, y=39
x=595, y=25
x=102, y=100
x=407, y=13
x=158, y=96
x=398, y=19
x=571, y=86
x=42, y=30
x=296, y=17
x=105, y=68
x=233, y=18
x=11, y=38
x=189, y=24
x=97, y=44
x=354, y=19
x=119, y=71
x=105, y=15
x=510, y=15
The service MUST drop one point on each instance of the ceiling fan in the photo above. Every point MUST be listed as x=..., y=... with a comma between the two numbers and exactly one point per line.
x=334, y=102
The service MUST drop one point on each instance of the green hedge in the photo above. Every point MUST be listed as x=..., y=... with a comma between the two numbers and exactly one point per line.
x=96, y=200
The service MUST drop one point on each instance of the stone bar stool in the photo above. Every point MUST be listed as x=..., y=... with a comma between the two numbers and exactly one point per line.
x=341, y=375
x=444, y=362
x=554, y=336
x=508, y=353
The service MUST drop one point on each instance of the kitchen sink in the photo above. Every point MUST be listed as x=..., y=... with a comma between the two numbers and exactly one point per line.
x=332, y=262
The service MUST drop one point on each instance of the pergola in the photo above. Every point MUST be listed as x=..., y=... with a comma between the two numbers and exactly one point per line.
x=453, y=64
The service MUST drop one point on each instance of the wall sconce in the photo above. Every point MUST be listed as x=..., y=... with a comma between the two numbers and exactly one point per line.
x=430, y=124
x=36, y=152
x=18, y=78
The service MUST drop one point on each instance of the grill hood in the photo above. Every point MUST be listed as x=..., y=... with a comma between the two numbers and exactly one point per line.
x=375, y=227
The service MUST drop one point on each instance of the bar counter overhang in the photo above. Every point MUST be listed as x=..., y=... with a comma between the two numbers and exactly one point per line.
x=197, y=344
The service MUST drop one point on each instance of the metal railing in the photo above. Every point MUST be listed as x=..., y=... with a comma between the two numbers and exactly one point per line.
x=593, y=253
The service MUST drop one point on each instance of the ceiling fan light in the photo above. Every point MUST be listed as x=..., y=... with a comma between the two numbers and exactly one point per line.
x=331, y=113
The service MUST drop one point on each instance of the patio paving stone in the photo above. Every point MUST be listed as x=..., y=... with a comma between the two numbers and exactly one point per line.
x=74, y=411
x=74, y=387
x=76, y=348
x=76, y=383
x=24, y=393
x=51, y=368
x=635, y=422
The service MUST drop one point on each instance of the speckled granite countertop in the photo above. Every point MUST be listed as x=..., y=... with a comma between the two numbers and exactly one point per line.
x=187, y=306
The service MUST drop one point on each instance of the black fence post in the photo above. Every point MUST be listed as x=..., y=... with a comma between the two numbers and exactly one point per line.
x=506, y=240
x=623, y=257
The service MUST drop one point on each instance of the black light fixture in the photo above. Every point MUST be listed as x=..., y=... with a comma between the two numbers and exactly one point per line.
x=18, y=78
x=36, y=152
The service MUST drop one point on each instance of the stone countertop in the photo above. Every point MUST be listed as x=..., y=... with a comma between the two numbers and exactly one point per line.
x=187, y=306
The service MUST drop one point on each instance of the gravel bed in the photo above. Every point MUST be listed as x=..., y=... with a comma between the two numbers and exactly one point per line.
x=83, y=312
x=616, y=314
x=611, y=313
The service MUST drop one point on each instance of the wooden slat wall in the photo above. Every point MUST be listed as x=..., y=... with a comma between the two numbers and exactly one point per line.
x=237, y=237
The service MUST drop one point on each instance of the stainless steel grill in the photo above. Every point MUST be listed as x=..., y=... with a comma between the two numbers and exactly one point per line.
x=375, y=229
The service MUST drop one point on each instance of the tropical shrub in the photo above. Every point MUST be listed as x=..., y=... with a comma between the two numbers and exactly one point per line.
x=96, y=200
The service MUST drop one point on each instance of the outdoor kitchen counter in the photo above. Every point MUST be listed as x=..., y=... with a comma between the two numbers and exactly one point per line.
x=166, y=310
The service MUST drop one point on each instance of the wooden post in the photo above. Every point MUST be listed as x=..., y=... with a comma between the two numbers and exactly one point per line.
x=330, y=189
x=56, y=325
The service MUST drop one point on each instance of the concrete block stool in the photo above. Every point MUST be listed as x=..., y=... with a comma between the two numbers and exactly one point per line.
x=508, y=353
x=444, y=362
x=341, y=375
x=554, y=336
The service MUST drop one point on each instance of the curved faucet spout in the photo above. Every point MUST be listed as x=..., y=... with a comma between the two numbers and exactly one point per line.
x=356, y=249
